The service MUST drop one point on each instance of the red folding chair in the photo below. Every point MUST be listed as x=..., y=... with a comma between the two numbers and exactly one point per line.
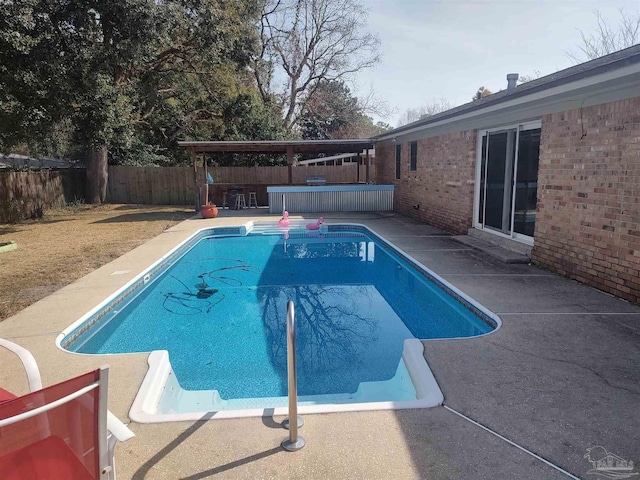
x=59, y=432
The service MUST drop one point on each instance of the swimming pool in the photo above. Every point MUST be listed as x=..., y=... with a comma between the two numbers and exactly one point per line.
x=213, y=312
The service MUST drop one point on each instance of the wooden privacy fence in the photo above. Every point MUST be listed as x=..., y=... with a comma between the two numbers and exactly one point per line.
x=151, y=185
x=175, y=185
x=27, y=194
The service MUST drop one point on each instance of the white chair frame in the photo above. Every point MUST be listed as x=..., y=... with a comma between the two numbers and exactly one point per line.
x=111, y=429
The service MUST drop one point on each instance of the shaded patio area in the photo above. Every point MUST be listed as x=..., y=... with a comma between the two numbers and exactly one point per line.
x=561, y=375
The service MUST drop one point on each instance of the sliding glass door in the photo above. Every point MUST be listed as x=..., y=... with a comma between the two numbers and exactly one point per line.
x=526, y=195
x=508, y=181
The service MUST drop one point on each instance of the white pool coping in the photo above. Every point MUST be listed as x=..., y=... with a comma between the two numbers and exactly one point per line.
x=145, y=406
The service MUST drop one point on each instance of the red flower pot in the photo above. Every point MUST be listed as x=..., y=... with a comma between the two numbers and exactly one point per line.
x=209, y=211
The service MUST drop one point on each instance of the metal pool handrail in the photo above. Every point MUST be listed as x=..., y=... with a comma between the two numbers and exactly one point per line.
x=294, y=442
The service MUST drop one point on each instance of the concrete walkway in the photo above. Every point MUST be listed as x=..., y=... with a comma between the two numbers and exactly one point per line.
x=560, y=376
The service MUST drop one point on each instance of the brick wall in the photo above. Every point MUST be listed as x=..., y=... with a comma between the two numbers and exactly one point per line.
x=443, y=183
x=588, y=222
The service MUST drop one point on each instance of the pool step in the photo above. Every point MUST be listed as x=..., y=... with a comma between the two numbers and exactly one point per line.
x=269, y=228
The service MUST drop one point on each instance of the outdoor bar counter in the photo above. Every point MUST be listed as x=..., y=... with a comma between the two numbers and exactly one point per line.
x=331, y=198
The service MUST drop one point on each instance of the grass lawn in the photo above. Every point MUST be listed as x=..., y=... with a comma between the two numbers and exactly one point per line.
x=68, y=243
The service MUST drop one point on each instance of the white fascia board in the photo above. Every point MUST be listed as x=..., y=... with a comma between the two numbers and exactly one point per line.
x=336, y=157
x=623, y=79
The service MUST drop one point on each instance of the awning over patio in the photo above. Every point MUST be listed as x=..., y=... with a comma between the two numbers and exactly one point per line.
x=293, y=146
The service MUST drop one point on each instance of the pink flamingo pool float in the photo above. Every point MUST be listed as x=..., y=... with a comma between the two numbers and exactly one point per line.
x=284, y=221
x=315, y=226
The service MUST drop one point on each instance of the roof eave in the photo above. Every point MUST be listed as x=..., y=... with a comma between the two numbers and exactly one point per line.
x=519, y=93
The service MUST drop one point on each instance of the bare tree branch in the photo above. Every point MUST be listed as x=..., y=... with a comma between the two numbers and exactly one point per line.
x=426, y=110
x=311, y=40
x=529, y=77
x=607, y=38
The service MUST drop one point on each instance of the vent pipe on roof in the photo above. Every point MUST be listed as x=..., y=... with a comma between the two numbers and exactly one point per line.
x=512, y=80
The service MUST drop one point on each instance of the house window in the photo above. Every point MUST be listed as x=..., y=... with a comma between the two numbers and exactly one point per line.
x=398, y=157
x=414, y=156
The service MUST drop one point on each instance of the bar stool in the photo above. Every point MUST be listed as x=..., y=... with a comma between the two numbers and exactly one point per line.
x=240, y=201
x=225, y=198
x=253, y=200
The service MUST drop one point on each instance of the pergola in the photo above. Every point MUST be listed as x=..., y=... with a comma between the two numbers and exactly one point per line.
x=288, y=147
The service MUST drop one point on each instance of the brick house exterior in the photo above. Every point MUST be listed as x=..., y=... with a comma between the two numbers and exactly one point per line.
x=440, y=191
x=586, y=205
x=588, y=224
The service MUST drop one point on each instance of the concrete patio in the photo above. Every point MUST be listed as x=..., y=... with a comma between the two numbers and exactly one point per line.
x=561, y=375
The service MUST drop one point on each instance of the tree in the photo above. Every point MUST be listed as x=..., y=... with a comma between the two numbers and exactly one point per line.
x=196, y=85
x=32, y=78
x=68, y=61
x=383, y=126
x=247, y=118
x=333, y=112
x=305, y=42
x=122, y=81
x=426, y=110
x=482, y=92
x=608, y=37
x=125, y=76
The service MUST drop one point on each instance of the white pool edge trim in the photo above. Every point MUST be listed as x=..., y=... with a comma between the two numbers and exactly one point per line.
x=248, y=227
x=160, y=368
x=492, y=315
x=145, y=406
x=71, y=328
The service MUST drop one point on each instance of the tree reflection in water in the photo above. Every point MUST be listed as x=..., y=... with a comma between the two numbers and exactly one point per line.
x=332, y=327
x=330, y=331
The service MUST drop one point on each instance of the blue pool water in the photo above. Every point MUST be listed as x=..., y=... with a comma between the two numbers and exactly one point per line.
x=220, y=312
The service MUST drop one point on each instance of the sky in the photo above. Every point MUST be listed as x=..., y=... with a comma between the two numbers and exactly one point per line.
x=432, y=49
